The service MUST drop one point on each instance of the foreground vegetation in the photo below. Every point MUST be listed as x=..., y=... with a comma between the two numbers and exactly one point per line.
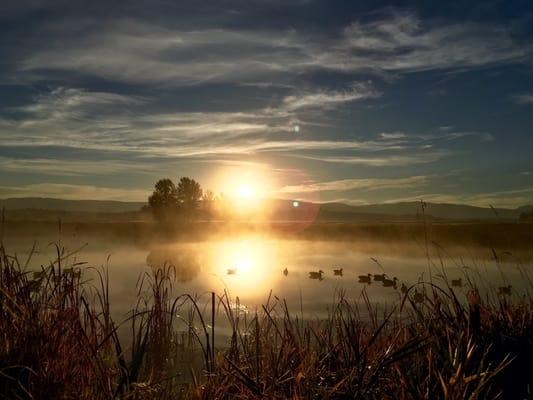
x=58, y=340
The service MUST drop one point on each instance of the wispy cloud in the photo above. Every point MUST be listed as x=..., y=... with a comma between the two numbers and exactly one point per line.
x=356, y=184
x=398, y=41
x=523, y=98
x=141, y=52
x=328, y=99
x=383, y=160
x=484, y=136
x=392, y=135
x=447, y=134
x=74, y=192
x=83, y=119
x=63, y=102
x=505, y=198
x=59, y=167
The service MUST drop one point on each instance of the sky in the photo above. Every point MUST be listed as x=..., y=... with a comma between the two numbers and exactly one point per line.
x=325, y=100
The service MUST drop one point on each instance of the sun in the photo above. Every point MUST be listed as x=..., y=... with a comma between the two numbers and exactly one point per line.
x=246, y=197
x=245, y=191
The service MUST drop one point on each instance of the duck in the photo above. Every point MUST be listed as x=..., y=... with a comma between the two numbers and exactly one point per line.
x=457, y=282
x=337, y=272
x=285, y=272
x=316, y=274
x=380, y=277
x=365, y=278
x=232, y=271
x=390, y=282
x=505, y=290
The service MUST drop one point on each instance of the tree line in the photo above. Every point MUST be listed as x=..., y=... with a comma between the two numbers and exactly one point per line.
x=186, y=200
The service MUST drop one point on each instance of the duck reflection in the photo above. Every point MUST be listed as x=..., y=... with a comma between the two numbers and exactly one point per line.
x=185, y=261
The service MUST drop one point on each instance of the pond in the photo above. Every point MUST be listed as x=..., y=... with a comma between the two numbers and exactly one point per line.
x=253, y=267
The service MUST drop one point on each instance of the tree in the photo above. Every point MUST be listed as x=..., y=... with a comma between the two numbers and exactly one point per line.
x=208, y=203
x=208, y=199
x=164, y=200
x=189, y=195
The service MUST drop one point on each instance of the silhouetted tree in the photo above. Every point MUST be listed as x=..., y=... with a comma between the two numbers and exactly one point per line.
x=189, y=195
x=208, y=199
x=164, y=200
x=208, y=203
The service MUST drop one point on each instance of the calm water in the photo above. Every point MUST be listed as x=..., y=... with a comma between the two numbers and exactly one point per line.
x=256, y=265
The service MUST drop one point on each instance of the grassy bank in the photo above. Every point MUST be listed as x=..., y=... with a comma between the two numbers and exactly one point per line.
x=58, y=340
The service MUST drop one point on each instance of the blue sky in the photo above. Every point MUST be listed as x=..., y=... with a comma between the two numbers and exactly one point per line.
x=361, y=102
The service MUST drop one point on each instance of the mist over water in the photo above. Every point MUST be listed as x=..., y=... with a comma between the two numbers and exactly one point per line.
x=251, y=267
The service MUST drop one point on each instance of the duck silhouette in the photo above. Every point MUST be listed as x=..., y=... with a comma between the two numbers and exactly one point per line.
x=390, y=282
x=316, y=274
x=365, y=278
x=337, y=272
x=285, y=272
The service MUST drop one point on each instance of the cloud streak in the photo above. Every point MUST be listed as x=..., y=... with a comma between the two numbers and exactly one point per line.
x=82, y=119
x=383, y=160
x=72, y=168
x=523, y=98
x=355, y=184
x=74, y=192
x=398, y=41
x=329, y=99
x=505, y=198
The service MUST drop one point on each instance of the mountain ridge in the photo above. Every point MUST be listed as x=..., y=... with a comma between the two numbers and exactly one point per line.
x=333, y=210
x=55, y=204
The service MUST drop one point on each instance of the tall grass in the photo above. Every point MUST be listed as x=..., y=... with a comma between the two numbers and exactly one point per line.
x=58, y=340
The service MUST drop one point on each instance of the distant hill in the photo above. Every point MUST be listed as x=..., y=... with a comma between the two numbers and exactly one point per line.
x=408, y=210
x=526, y=209
x=282, y=209
x=86, y=206
x=436, y=210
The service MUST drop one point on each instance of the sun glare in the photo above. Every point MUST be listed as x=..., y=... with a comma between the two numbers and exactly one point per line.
x=245, y=265
x=246, y=198
x=245, y=191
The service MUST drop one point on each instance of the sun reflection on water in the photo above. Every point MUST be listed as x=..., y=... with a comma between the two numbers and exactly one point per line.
x=247, y=267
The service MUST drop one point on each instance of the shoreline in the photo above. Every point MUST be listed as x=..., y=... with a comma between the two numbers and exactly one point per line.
x=505, y=239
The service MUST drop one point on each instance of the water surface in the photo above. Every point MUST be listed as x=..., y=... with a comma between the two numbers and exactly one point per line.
x=251, y=267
